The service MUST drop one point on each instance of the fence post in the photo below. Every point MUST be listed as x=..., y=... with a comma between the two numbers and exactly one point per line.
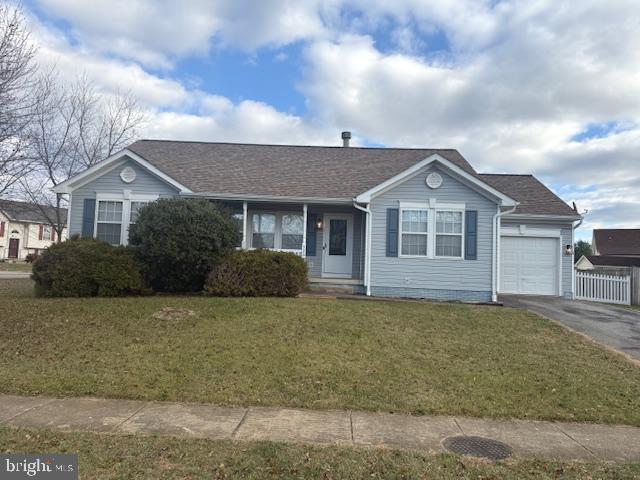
x=635, y=286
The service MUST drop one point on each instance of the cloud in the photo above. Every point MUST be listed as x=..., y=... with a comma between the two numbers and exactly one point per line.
x=545, y=87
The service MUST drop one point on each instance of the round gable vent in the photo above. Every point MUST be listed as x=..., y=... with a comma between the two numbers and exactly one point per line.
x=128, y=174
x=434, y=180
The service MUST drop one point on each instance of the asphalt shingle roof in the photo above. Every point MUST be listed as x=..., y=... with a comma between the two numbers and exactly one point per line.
x=621, y=241
x=317, y=172
x=534, y=197
x=30, y=213
x=614, y=261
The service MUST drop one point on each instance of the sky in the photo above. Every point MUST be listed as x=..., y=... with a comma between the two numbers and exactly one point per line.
x=547, y=87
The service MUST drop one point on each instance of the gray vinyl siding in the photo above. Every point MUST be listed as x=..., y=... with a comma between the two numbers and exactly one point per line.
x=437, y=277
x=110, y=182
x=566, y=231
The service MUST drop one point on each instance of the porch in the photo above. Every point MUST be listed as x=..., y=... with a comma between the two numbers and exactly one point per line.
x=330, y=237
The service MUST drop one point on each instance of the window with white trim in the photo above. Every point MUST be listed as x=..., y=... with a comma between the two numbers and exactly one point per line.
x=264, y=230
x=414, y=232
x=292, y=231
x=239, y=219
x=47, y=232
x=109, y=221
x=134, y=212
x=449, y=233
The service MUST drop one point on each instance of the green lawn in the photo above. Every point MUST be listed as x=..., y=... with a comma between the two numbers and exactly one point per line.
x=402, y=357
x=15, y=267
x=128, y=457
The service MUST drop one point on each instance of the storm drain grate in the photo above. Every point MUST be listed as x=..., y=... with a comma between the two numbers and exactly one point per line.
x=478, y=447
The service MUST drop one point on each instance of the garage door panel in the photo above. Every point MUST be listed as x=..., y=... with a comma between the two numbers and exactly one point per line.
x=529, y=265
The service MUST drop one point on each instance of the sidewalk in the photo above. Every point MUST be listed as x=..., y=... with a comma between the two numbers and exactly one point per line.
x=563, y=441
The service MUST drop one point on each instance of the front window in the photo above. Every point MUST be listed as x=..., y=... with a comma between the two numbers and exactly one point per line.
x=264, y=230
x=292, y=231
x=414, y=232
x=449, y=234
x=109, y=222
x=47, y=231
x=239, y=219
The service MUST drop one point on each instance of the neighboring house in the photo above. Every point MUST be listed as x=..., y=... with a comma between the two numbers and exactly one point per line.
x=619, y=242
x=387, y=221
x=610, y=264
x=25, y=229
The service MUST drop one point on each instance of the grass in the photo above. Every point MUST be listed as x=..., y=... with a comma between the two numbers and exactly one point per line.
x=129, y=457
x=15, y=267
x=402, y=357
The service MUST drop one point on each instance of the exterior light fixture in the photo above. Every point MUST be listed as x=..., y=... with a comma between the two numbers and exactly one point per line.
x=568, y=249
x=319, y=224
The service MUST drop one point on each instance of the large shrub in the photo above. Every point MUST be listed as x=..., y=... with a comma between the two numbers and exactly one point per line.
x=179, y=241
x=86, y=268
x=258, y=273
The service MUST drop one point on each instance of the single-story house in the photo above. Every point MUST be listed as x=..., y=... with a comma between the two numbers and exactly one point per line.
x=618, y=242
x=26, y=228
x=401, y=222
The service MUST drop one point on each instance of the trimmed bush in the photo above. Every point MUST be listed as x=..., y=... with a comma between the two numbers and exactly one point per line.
x=258, y=273
x=179, y=241
x=86, y=268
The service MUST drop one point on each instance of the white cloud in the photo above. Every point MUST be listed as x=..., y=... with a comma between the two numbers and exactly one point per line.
x=521, y=79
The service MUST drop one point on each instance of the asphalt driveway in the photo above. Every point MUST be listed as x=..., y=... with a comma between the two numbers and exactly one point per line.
x=615, y=326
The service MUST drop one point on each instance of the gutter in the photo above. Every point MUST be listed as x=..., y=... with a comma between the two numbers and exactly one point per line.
x=367, y=246
x=496, y=251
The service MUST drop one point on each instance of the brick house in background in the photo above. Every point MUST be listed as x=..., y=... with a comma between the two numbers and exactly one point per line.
x=24, y=229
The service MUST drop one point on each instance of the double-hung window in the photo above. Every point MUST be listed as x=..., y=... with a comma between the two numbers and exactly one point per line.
x=414, y=232
x=449, y=234
x=109, y=221
x=47, y=232
x=277, y=230
x=431, y=230
x=264, y=230
x=292, y=231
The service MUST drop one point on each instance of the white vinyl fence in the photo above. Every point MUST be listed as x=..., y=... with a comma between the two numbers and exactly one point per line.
x=596, y=287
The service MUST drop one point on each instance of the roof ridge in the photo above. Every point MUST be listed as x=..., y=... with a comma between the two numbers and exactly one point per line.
x=296, y=146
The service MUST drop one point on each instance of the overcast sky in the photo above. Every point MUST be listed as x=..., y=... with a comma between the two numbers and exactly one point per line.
x=548, y=87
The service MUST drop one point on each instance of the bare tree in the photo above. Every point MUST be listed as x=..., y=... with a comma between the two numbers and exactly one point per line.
x=17, y=69
x=73, y=127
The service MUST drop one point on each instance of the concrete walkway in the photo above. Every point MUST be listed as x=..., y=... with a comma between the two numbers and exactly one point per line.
x=564, y=441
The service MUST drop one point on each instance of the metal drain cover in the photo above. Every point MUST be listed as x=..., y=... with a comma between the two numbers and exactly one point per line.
x=478, y=447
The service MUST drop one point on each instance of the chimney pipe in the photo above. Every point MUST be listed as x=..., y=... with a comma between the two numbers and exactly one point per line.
x=346, y=136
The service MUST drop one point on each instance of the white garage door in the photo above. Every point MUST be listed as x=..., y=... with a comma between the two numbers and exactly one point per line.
x=529, y=265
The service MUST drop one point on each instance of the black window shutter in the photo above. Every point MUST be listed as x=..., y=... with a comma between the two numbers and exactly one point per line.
x=392, y=232
x=471, y=235
x=311, y=234
x=88, y=217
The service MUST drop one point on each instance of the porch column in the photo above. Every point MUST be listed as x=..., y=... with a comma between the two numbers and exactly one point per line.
x=304, y=230
x=244, y=225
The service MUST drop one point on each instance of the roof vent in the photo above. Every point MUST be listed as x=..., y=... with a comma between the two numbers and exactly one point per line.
x=346, y=137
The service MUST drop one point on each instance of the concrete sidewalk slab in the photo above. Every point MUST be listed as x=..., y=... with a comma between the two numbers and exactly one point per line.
x=402, y=431
x=530, y=439
x=185, y=420
x=79, y=414
x=286, y=424
x=13, y=405
x=527, y=438
x=607, y=442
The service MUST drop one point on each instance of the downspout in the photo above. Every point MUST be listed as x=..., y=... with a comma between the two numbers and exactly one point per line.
x=496, y=251
x=367, y=246
x=573, y=267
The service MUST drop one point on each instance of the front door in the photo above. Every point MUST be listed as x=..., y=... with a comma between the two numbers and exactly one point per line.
x=337, y=245
x=14, y=244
